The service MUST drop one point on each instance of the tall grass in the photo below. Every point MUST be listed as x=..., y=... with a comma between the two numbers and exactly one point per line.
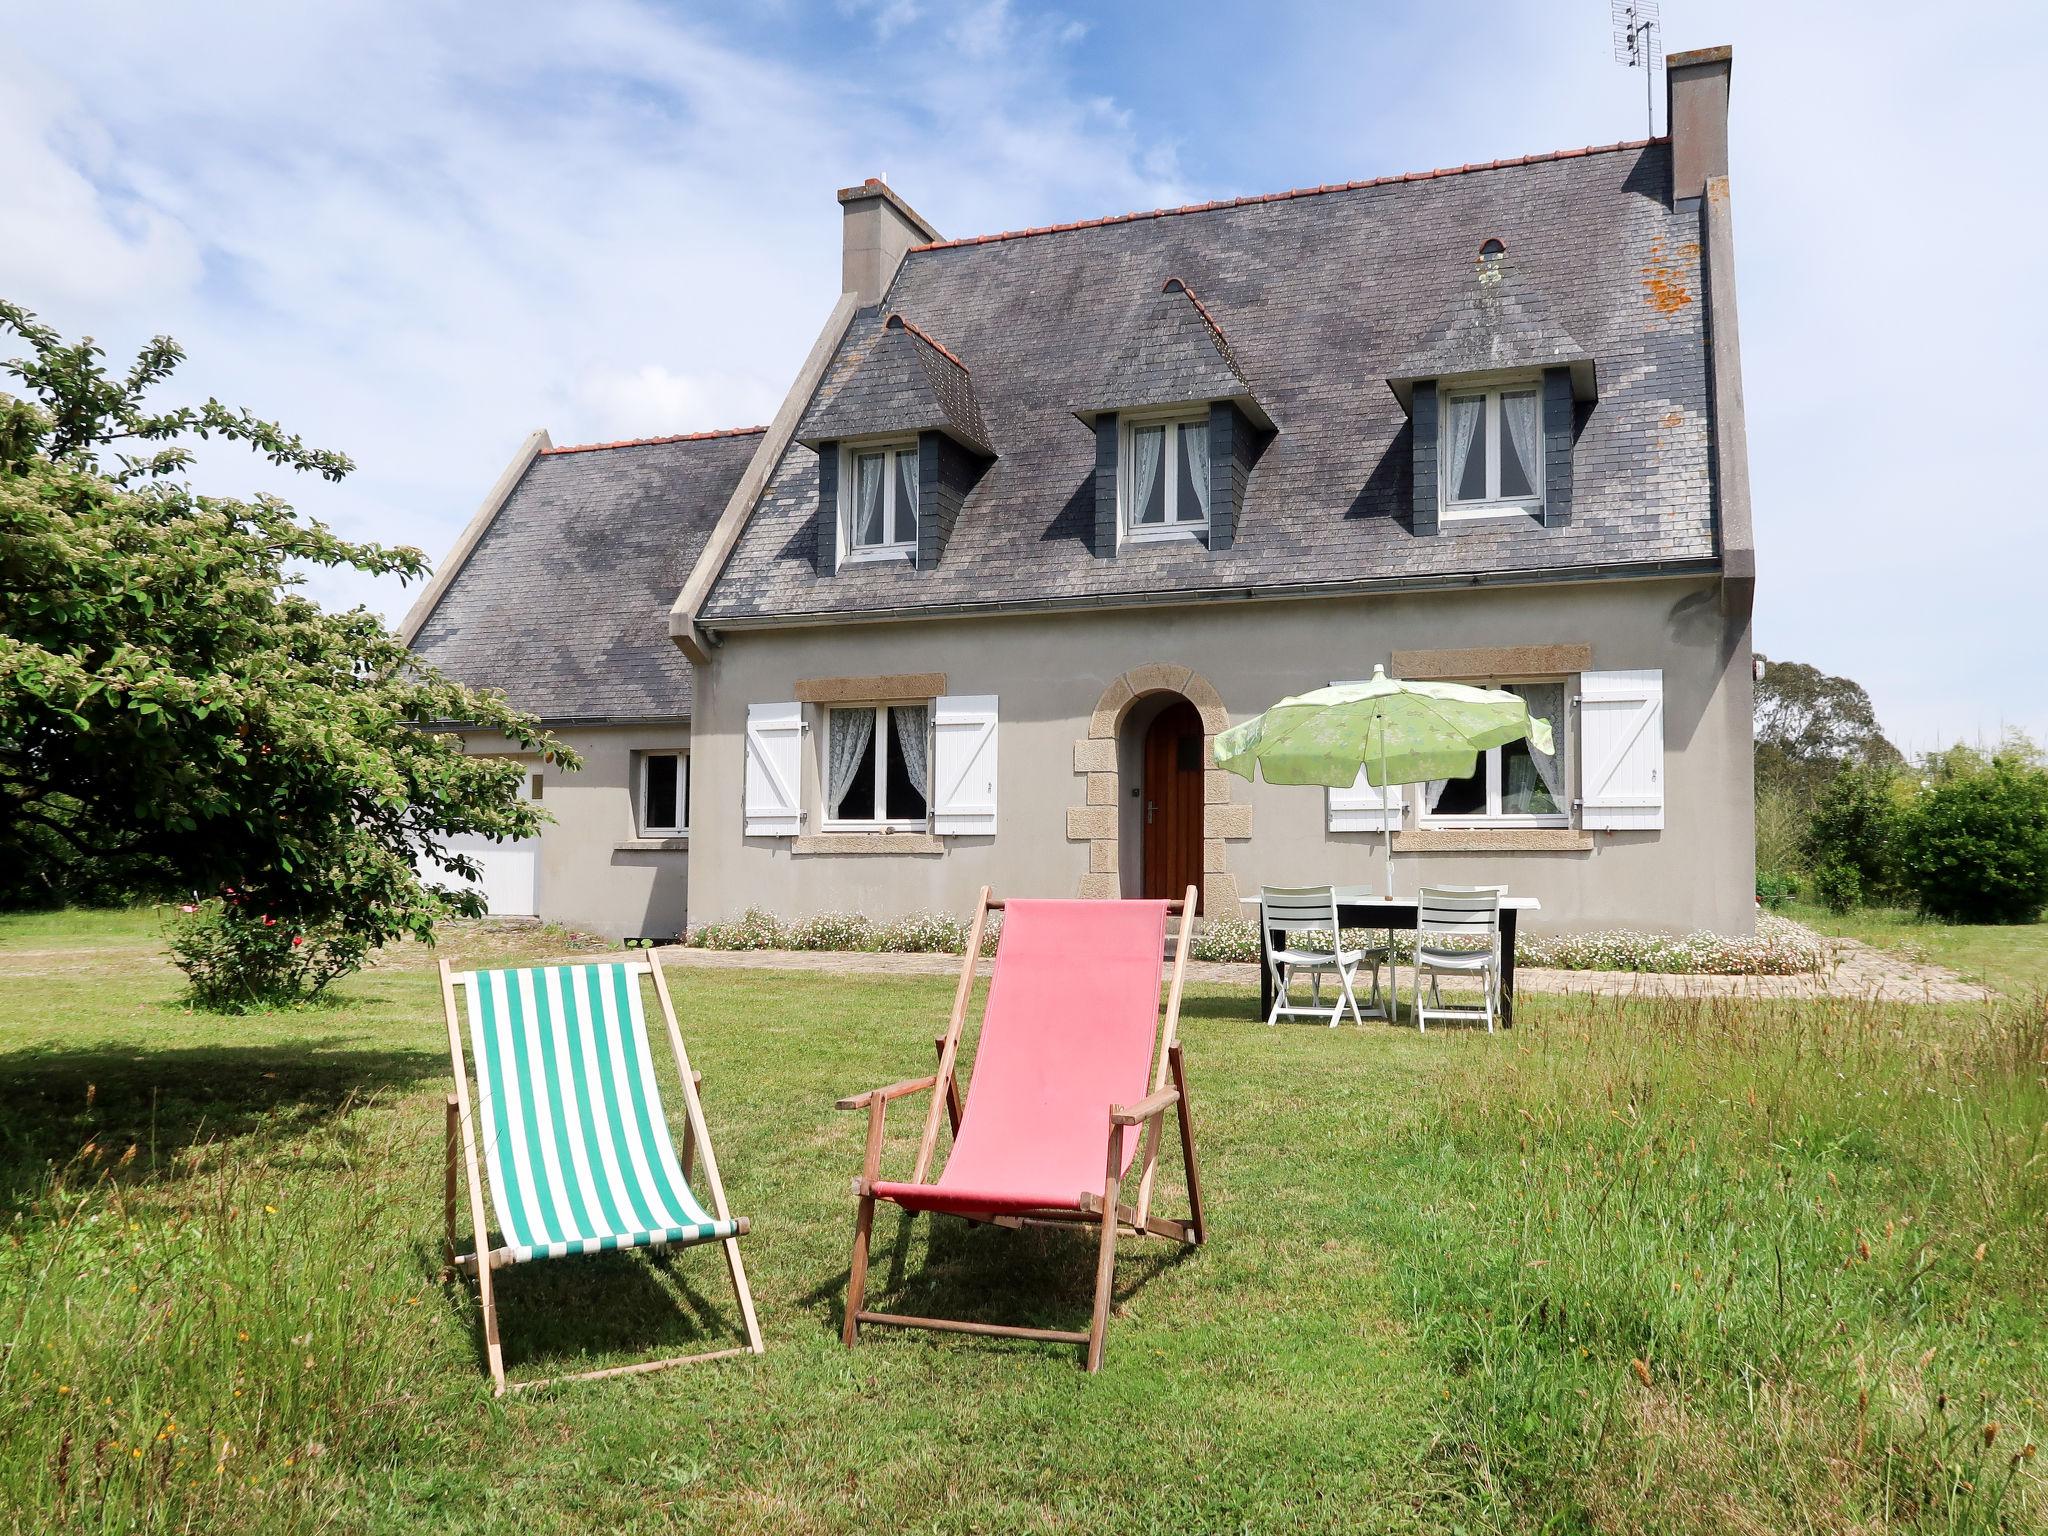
x=1713, y=1266
x=199, y=1351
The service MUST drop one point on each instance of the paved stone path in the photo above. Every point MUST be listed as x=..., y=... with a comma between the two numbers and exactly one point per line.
x=1858, y=971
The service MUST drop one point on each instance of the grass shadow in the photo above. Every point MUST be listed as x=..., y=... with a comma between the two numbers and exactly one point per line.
x=578, y=1312
x=1035, y=1277
x=55, y=1103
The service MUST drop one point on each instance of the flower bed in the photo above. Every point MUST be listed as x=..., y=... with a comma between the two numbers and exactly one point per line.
x=919, y=933
x=1780, y=947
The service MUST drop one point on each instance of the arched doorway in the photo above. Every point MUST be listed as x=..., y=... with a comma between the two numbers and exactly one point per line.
x=1170, y=820
x=1109, y=814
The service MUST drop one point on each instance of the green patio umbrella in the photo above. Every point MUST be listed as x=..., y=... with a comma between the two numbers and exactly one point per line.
x=1398, y=732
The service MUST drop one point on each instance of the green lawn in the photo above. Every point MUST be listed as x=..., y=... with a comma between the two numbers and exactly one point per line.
x=1673, y=1266
x=2013, y=958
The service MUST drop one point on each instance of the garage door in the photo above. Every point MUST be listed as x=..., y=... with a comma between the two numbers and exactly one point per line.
x=510, y=872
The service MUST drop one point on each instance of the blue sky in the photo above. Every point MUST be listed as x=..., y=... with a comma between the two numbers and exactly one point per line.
x=415, y=231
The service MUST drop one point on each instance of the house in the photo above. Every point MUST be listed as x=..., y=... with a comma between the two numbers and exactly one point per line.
x=557, y=594
x=1044, y=511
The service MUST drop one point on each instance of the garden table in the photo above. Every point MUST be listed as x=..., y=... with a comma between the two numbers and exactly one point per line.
x=1399, y=912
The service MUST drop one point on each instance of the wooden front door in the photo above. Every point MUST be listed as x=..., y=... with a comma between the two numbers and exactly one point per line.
x=1173, y=803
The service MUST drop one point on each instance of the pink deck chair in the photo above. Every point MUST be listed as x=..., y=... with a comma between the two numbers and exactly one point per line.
x=1070, y=1090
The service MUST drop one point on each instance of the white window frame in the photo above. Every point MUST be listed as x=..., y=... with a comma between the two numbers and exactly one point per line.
x=875, y=823
x=1489, y=762
x=1173, y=528
x=1493, y=504
x=850, y=455
x=647, y=828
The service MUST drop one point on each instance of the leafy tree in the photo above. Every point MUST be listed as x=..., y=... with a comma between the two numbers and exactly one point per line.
x=1852, y=841
x=175, y=715
x=1809, y=724
x=1974, y=843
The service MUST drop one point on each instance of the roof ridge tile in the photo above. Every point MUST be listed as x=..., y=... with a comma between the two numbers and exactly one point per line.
x=1470, y=168
x=897, y=317
x=648, y=442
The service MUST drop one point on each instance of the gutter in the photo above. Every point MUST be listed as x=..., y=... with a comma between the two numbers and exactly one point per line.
x=564, y=722
x=1393, y=585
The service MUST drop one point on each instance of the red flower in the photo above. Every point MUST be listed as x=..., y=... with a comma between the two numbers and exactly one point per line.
x=269, y=921
x=298, y=939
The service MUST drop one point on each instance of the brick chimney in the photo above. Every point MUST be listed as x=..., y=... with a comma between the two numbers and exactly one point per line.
x=879, y=228
x=1698, y=114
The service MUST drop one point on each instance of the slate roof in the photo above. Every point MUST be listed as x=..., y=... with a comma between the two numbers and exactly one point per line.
x=1169, y=351
x=1500, y=321
x=563, y=603
x=898, y=380
x=1325, y=296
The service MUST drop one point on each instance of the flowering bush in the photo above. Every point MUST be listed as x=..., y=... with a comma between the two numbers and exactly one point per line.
x=236, y=959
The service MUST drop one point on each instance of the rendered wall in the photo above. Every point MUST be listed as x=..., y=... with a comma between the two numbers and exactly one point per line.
x=1049, y=670
x=597, y=875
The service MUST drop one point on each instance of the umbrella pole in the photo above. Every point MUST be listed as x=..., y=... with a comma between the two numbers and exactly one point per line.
x=1386, y=827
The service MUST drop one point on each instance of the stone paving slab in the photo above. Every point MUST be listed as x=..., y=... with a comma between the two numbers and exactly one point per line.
x=1858, y=972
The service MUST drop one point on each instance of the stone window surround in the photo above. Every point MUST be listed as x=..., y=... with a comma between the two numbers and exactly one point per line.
x=1094, y=820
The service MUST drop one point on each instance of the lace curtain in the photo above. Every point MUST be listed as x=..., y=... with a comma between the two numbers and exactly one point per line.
x=911, y=724
x=1465, y=418
x=1519, y=414
x=1194, y=449
x=852, y=731
x=867, y=512
x=1147, y=443
x=1529, y=770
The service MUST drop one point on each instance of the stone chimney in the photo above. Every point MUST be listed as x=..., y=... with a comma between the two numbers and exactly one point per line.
x=879, y=228
x=1697, y=111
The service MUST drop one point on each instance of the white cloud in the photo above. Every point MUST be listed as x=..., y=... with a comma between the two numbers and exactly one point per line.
x=417, y=237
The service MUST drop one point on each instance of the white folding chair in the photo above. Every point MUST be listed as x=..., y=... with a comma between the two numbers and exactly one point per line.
x=1285, y=913
x=1469, y=915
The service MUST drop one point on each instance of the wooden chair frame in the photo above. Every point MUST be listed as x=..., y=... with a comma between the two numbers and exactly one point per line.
x=461, y=1128
x=1108, y=1212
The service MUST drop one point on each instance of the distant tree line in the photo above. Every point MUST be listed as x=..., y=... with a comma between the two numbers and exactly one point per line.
x=1844, y=819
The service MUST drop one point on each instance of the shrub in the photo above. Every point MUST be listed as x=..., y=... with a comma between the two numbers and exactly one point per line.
x=1775, y=888
x=236, y=959
x=1838, y=886
x=1975, y=844
x=1852, y=840
x=1782, y=814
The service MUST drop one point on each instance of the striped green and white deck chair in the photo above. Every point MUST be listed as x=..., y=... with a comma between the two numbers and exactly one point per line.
x=575, y=1142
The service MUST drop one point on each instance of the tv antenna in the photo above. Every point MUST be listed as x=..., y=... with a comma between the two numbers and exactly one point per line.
x=1639, y=43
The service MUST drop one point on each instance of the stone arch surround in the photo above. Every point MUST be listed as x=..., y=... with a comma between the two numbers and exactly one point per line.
x=1094, y=819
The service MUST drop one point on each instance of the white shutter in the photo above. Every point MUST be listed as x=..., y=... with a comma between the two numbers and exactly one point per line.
x=963, y=774
x=775, y=770
x=1621, y=750
x=1363, y=808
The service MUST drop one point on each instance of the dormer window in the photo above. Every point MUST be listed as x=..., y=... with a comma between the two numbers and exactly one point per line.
x=1163, y=465
x=1492, y=445
x=878, y=502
